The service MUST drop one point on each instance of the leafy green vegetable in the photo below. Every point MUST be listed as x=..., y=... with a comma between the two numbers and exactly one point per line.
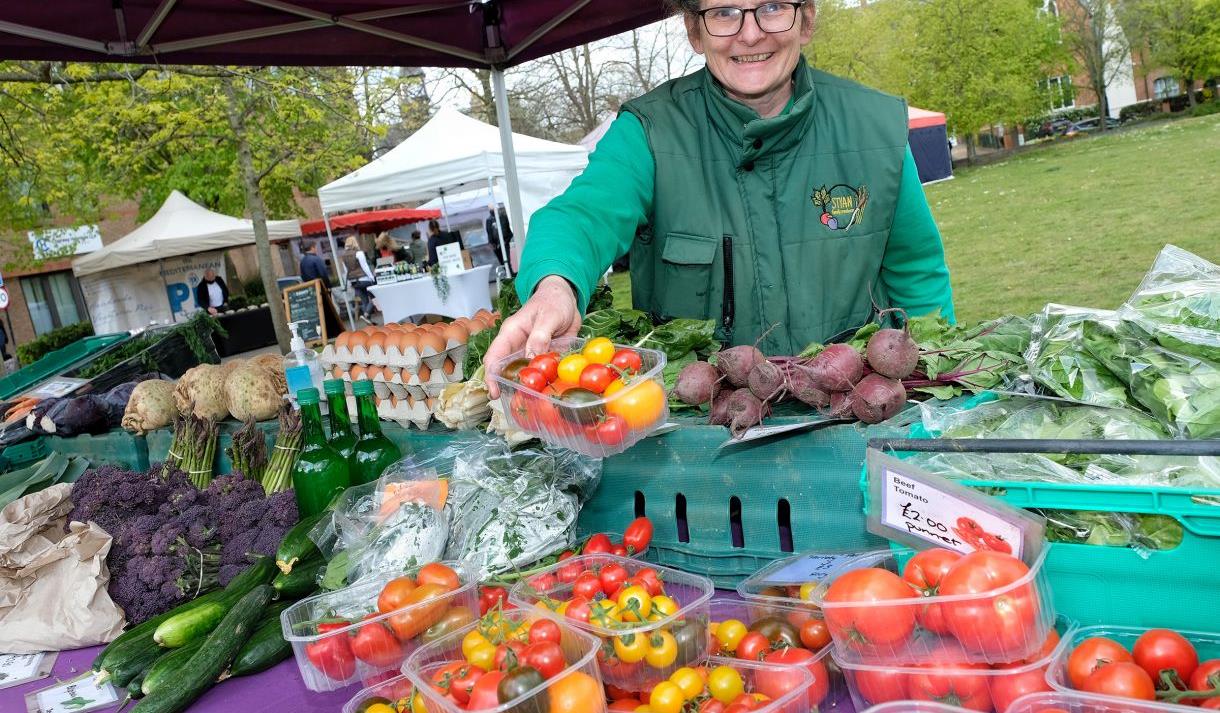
x=1178, y=304
x=681, y=337
x=619, y=326
x=1058, y=360
x=507, y=302
x=602, y=298
x=477, y=346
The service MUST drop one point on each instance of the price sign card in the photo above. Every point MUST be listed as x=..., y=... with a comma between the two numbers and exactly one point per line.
x=16, y=669
x=760, y=432
x=809, y=568
x=907, y=504
x=78, y=696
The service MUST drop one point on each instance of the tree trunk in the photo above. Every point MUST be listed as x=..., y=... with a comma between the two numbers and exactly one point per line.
x=1190, y=90
x=971, y=153
x=258, y=213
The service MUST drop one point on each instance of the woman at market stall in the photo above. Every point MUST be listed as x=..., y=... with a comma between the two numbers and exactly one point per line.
x=779, y=200
x=356, y=266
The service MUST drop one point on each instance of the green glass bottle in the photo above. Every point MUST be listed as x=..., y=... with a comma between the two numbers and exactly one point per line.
x=320, y=470
x=374, y=451
x=342, y=437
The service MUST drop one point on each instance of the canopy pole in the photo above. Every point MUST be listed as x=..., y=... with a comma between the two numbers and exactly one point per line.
x=495, y=205
x=444, y=211
x=516, y=218
x=343, y=281
x=165, y=286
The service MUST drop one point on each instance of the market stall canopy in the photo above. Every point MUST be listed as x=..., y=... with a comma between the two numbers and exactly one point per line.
x=468, y=206
x=450, y=152
x=929, y=141
x=369, y=221
x=180, y=227
x=921, y=118
x=590, y=139
x=399, y=33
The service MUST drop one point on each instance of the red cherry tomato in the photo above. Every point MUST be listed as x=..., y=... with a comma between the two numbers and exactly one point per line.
x=649, y=579
x=532, y=378
x=612, y=578
x=1206, y=678
x=638, y=535
x=483, y=695
x=568, y=573
x=1090, y=655
x=587, y=585
x=578, y=609
x=610, y=431
x=543, y=582
x=377, y=646
x=596, y=377
x=332, y=656
x=753, y=646
x=627, y=360
x=508, y=655
x=545, y=630
x=598, y=544
x=490, y=596
x=548, y=364
x=462, y=683
x=545, y=656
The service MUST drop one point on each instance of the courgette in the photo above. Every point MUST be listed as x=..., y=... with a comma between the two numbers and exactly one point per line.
x=296, y=545
x=217, y=652
x=196, y=623
x=144, y=630
x=266, y=646
x=302, y=580
x=165, y=669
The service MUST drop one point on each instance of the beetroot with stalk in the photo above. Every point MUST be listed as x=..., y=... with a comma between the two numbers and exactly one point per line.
x=840, y=405
x=802, y=386
x=697, y=383
x=766, y=381
x=736, y=362
x=719, y=415
x=745, y=411
x=892, y=352
x=877, y=398
x=837, y=368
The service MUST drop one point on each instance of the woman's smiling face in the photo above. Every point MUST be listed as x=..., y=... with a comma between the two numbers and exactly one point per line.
x=752, y=64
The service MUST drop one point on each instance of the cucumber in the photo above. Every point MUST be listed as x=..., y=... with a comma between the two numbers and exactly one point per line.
x=144, y=630
x=214, y=656
x=302, y=580
x=122, y=672
x=266, y=647
x=296, y=544
x=196, y=623
x=135, y=687
x=164, y=669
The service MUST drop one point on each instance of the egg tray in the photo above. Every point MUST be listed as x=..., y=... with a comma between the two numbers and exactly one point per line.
x=405, y=412
x=410, y=363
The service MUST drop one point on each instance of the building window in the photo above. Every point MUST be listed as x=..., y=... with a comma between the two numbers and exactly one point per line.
x=1166, y=87
x=1060, y=94
x=54, y=300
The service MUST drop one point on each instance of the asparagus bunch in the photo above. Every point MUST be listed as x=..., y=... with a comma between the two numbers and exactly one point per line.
x=193, y=448
x=249, y=451
x=278, y=475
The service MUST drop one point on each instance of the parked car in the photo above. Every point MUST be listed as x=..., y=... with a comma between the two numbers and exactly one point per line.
x=1085, y=126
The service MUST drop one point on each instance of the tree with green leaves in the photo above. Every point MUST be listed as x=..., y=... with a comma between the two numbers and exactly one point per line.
x=1183, y=35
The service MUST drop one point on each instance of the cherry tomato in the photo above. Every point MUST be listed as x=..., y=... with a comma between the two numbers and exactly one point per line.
x=866, y=626
x=437, y=573
x=1206, y=678
x=624, y=705
x=598, y=544
x=1091, y=654
x=490, y=596
x=753, y=646
x=627, y=360
x=1001, y=624
x=1160, y=649
x=332, y=656
x=394, y=594
x=571, y=366
x=376, y=646
x=455, y=618
x=730, y=634
x=666, y=697
x=1210, y=703
x=615, y=386
x=924, y=572
x=1123, y=679
x=596, y=377
x=725, y=684
x=575, y=693
x=814, y=634
x=648, y=578
x=569, y=572
x=545, y=656
x=1006, y=688
x=619, y=550
x=508, y=656
x=587, y=586
x=605, y=613
x=638, y=535
x=548, y=364
x=483, y=695
x=471, y=641
x=523, y=410
x=609, y=431
x=631, y=648
x=543, y=582
x=462, y=684
x=578, y=609
x=711, y=705
x=641, y=403
x=689, y=680
x=545, y=630
x=662, y=649
x=532, y=378
x=663, y=605
x=599, y=351
x=774, y=683
x=635, y=603
x=612, y=577
x=423, y=607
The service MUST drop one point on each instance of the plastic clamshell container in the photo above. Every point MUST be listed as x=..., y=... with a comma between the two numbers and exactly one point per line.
x=782, y=581
x=804, y=697
x=689, y=591
x=924, y=646
x=1207, y=644
x=579, y=650
x=827, y=688
x=980, y=688
x=903, y=707
x=1086, y=703
x=392, y=689
x=299, y=622
x=572, y=420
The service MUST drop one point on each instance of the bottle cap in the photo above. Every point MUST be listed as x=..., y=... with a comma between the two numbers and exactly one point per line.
x=307, y=396
x=362, y=387
x=333, y=386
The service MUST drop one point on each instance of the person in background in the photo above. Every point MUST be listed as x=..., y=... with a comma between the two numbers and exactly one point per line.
x=313, y=267
x=3, y=342
x=491, y=225
x=359, y=274
x=385, y=247
x=212, y=294
x=417, y=250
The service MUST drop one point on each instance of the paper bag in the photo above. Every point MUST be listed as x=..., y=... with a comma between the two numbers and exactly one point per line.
x=53, y=583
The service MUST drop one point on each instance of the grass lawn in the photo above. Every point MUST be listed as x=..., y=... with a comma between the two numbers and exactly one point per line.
x=1078, y=222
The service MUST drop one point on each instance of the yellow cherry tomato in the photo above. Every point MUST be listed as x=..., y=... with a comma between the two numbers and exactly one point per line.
x=599, y=351
x=380, y=708
x=807, y=590
x=725, y=684
x=666, y=698
x=640, y=403
x=471, y=641
x=418, y=704
x=645, y=708
x=760, y=697
x=631, y=648
x=634, y=603
x=571, y=366
x=665, y=605
x=689, y=680
x=616, y=385
x=730, y=633
x=483, y=656
x=662, y=649
x=605, y=613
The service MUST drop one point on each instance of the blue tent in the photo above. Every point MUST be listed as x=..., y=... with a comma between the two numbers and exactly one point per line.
x=930, y=144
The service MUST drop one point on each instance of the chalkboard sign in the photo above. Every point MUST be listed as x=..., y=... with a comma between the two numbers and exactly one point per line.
x=303, y=303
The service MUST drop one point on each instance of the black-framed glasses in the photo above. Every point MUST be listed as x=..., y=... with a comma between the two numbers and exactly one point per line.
x=770, y=17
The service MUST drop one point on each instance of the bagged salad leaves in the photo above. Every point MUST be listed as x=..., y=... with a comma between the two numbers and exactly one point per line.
x=1058, y=361
x=1178, y=304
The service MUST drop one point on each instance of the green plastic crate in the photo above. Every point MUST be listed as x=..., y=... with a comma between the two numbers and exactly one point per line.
x=58, y=361
x=22, y=454
x=118, y=447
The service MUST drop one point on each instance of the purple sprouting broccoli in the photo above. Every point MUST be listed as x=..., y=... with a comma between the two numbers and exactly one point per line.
x=136, y=535
x=282, y=509
x=110, y=496
x=247, y=517
x=165, y=539
x=229, y=492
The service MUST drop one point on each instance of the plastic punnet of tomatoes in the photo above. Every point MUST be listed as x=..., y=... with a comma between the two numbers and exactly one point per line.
x=1065, y=702
x=395, y=694
x=1138, y=660
x=914, y=707
x=509, y=661
x=899, y=608
x=354, y=634
x=792, y=580
x=729, y=686
x=590, y=396
x=779, y=635
x=652, y=620
x=952, y=680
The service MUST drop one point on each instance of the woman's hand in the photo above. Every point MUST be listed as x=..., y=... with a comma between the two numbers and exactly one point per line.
x=550, y=312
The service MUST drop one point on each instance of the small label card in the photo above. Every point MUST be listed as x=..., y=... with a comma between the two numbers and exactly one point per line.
x=78, y=696
x=810, y=568
x=16, y=669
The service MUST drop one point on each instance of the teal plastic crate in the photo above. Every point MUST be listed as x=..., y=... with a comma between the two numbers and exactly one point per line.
x=118, y=447
x=22, y=454
x=60, y=360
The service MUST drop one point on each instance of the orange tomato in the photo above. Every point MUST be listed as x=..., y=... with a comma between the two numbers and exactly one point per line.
x=437, y=573
x=576, y=693
x=640, y=404
x=424, y=607
x=394, y=594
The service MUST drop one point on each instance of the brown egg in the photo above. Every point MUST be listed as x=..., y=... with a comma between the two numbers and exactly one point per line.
x=481, y=313
x=456, y=333
x=358, y=339
x=358, y=372
x=407, y=326
x=408, y=341
x=424, y=372
x=377, y=340
x=337, y=372
x=435, y=342
x=342, y=340
x=475, y=326
x=430, y=402
x=448, y=366
x=410, y=401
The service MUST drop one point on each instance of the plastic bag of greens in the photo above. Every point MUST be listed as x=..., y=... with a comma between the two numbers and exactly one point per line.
x=1057, y=359
x=1178, y=304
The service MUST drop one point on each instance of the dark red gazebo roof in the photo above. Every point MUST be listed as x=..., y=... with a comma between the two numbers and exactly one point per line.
x=407, y=33
x=369, y=221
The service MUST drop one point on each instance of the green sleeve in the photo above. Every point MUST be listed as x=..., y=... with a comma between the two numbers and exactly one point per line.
x=913, y=270
x=581, y=232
